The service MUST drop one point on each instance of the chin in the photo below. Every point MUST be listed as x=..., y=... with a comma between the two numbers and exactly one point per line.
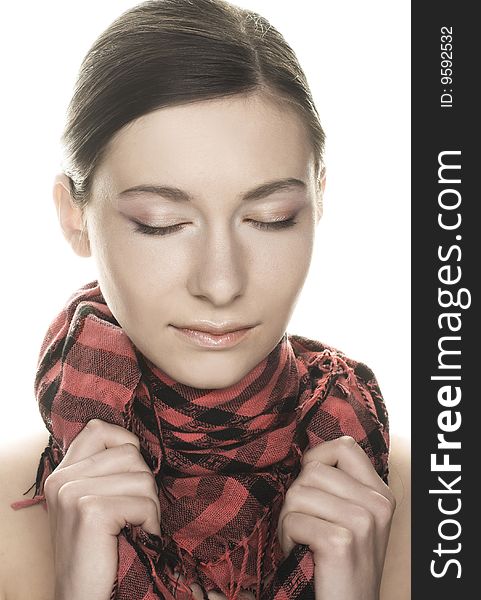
x=213, y=382
x=220, y=375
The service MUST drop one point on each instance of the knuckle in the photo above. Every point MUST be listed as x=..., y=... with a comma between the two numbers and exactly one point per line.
x=130, y=451
x=341, y=541
x=311, y=466
x=383, y=508
x=51, y=484
x=95, y=425
x=153, y=485
x=311, y=454
x=99, y=427
x=346, y=442
x=290, y=493
x=130, y=435
x=391, y=498
x=216, y=596
x=89, y=509
x=310, y=473
x=150, y=505
x=363, y=521
x=145, y=476
x=307, y=455
x=66, y=496
x=289, y=521
x=147, y=481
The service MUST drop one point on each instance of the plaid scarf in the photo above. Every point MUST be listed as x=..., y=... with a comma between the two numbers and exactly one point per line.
x=222, y=458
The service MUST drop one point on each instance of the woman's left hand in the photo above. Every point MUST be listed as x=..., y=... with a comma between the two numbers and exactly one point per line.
x=342, y=509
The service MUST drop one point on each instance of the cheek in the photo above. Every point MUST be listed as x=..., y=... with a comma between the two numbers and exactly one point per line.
x=131, y=271
x=282, y=263
x=134, y=267
x=134, y=259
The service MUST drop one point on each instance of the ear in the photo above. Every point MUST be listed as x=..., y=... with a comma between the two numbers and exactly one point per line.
x=320, y=195
x=70, y=216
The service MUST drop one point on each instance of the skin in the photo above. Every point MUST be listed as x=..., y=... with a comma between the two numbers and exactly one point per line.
x=340, y=507
x=102, y=484
x=218, y=265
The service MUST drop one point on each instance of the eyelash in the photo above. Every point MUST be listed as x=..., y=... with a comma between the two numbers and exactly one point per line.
x=272, y=226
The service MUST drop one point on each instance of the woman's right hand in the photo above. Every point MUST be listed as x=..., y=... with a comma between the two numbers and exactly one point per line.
x=101, y=484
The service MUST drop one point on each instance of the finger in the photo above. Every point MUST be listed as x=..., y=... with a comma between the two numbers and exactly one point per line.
x=327, y=541
x=346, y=454
x=119, y=459
x=342, y=567
x=95, y=436
x=362, y=520
x=110, y=514
x=139, y=483
x=324, y=505
x=213, y=595
x=340, y=483
x=197, y=591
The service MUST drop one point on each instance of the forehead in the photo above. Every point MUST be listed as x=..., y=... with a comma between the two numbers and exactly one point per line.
x=238, y=140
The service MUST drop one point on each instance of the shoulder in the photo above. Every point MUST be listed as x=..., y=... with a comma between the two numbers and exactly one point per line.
x=17, y=459
x=397, y=569
x=24, y=533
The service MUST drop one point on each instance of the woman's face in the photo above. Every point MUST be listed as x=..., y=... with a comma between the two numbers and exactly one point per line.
x=218, y=167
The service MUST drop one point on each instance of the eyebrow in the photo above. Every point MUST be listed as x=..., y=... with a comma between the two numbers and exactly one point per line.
x=178, y=195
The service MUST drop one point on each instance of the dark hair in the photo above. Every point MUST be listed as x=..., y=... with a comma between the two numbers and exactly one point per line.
x=169, y=52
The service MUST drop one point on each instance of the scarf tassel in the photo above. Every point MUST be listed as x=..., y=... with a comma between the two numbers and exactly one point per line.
x=92, y=341
x=49, y=460
x=263, y=545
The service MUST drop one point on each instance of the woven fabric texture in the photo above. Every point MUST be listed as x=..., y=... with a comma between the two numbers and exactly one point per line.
x=223, y=459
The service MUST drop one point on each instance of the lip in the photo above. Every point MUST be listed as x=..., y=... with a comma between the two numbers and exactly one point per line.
x=218, y=328
x=207, y=339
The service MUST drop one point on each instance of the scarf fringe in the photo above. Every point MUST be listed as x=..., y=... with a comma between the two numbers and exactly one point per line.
x=265, y=546
x=152, y=549
x=49, y=460
x=87, y=357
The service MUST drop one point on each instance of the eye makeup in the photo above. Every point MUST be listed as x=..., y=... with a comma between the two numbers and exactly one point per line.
x=147, y=214
x=263, y=225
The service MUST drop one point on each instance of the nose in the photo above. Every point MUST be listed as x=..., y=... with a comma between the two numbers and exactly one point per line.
x=219, y=270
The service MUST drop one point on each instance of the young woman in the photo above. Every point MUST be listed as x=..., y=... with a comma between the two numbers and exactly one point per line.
x=193, y=447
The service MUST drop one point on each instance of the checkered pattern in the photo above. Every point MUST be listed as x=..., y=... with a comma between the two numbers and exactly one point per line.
x=222, y=459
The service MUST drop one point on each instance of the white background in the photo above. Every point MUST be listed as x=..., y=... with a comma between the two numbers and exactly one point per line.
x=357, y=296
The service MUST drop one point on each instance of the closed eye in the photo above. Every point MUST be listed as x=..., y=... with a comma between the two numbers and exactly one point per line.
x=269, y=225
x=143, y=228
x=273, y=224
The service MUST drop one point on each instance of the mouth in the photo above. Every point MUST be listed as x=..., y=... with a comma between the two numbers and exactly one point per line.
x=208, y=339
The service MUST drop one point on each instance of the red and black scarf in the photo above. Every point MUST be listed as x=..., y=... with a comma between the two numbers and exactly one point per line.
x=222, y=458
